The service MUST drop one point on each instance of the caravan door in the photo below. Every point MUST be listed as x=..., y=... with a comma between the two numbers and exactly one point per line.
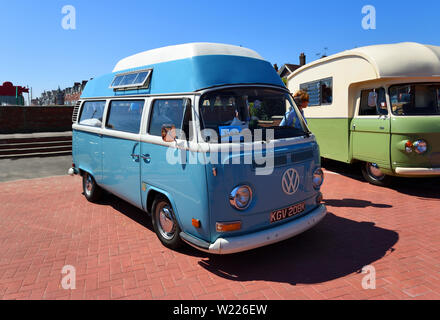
x=370, y=129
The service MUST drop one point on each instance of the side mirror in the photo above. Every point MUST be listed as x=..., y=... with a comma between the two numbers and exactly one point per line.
x=372, y=99
x=169, y=132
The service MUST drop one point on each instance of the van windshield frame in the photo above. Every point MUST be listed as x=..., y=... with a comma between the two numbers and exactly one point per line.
x=250, y=108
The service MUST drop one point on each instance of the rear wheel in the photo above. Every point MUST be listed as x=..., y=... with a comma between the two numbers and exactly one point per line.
x=374, y=175
x=165, y=223
x=92, y=191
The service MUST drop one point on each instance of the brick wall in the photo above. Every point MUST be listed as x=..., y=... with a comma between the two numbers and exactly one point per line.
x=35, y=119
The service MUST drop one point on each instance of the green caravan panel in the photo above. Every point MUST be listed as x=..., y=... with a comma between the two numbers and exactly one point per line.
x=371, y=140
x=413, y=128
x=333, y=137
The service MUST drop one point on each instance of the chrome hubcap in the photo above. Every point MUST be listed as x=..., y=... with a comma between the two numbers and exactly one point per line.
x=374, y=171
x=166, y=222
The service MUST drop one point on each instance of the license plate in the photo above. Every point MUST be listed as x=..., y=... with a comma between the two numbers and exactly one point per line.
x=287, y=213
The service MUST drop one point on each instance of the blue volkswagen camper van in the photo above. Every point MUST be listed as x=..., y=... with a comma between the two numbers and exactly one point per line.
x=191, y=134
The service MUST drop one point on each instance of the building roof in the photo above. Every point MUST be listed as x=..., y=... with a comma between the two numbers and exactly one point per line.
x=287, y=69
x=189, y=68
x=407, y=59
x=8, y=89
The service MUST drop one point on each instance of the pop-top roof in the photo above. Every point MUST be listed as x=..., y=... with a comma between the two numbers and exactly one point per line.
x=407, y=59
x=182, y=51
x=184, y=68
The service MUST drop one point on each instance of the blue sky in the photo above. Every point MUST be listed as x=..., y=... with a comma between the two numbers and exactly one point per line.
x=35, y=50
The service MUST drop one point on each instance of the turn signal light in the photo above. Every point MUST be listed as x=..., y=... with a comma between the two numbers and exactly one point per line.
x=319, y=198
x=228, y=226
x=196, y=223
x=409, y=147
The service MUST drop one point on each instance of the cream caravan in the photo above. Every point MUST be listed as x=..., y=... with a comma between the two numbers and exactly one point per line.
x=379, y=105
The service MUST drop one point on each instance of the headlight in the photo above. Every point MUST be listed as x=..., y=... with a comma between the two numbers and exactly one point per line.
x=420, y=146
x=318, y=178
x=241, y=197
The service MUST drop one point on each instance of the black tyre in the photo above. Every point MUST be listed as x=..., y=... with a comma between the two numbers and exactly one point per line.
x=165, y=223
x=373, y=175
x=92, y=191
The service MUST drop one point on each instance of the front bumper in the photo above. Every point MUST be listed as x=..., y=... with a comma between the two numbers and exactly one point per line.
x=415, y=172
x=72, y=171
x=261, y=238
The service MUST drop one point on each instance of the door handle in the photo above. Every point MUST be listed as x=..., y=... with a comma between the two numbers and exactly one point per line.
x=146, y=158
x=134, y=155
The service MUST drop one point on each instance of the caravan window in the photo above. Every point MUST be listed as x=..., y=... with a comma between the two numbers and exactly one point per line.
x=91, y=114
x=320, y=91
x=125, y=116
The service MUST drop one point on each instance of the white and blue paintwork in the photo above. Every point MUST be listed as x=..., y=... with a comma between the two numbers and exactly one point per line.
x=193, y=191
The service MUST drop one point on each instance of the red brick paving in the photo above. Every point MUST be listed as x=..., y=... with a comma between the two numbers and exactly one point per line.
x=46, y=224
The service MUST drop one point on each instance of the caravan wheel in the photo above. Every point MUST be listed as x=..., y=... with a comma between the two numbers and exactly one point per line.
x=374, y=175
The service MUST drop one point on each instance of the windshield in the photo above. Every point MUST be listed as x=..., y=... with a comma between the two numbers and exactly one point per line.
x=233, y=110
x=415, y=99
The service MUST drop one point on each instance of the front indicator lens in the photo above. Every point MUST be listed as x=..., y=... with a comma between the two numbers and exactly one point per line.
x=409, y=147
x=241, y=197
x=319, y=198
x=228, y=226
x=420, y=146
x=318, y=178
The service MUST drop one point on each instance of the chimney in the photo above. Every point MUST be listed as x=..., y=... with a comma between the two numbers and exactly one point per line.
x=302, y=59
x=275, y=67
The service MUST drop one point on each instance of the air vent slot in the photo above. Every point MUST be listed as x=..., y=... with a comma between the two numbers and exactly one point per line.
x=75, y=112
x=302, y=156
x=280, y=161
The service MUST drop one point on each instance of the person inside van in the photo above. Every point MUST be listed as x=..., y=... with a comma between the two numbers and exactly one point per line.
x=301, y=99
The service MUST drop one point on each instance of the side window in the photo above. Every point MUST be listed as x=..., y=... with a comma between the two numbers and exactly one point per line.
x=125, y=115
x=326, y=91
x=373, y=102
x=313, y=89
x=175, y=112
x=320, y=91
x=91, y=114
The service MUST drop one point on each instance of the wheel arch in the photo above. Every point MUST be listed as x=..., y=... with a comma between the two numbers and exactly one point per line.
x=153, y=193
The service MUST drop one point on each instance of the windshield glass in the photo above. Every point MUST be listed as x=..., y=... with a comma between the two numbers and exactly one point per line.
x=415, y=99
x=233, y=110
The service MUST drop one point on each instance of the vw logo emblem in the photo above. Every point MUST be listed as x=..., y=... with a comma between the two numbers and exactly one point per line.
x=290, y=182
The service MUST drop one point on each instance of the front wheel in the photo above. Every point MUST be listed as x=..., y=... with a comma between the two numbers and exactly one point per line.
x=374, y=175
x=165, y=223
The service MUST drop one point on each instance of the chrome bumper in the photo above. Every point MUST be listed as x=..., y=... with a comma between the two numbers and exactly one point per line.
x=261, y=238
x=418, y=171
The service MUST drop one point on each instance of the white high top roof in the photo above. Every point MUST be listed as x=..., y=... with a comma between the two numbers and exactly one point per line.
x=182, y=51
x=407, y=59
